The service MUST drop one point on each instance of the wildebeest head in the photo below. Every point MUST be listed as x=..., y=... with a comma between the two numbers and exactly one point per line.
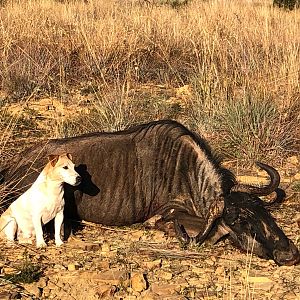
x=251, y=227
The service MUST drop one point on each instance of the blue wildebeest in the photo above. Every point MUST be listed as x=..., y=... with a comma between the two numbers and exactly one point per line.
x=161, y=168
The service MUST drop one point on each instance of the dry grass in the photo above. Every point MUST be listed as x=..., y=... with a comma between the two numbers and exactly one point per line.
x=228, y=54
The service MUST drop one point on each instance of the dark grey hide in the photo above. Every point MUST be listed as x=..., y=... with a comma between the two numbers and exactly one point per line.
x=160, y=168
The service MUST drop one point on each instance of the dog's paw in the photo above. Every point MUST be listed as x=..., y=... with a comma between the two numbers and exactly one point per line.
x=41, y=245
x=59, y=243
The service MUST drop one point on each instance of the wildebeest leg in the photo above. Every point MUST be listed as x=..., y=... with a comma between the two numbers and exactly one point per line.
x=183, y=221
x=181, y=233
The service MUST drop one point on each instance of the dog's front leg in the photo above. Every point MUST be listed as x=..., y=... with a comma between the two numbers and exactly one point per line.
x=37, y=224
x=57, y=224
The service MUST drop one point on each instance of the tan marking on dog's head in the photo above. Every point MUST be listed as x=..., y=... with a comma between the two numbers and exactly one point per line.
x=53, y=158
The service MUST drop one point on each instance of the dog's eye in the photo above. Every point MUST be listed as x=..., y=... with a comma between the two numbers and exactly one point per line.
x=65, y=167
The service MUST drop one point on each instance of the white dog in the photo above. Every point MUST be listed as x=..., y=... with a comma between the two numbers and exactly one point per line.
x=42, y=202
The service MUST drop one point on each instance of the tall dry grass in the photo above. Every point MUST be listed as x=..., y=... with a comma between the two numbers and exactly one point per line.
x=238, y=57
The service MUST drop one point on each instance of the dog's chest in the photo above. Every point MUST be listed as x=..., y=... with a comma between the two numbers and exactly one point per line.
x=51, y=208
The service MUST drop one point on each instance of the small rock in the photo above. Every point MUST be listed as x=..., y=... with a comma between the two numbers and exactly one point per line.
x=104, y=264
x=138, y=282
x=148, y=295
x=131, y=297
x=164, y=275
x=164, y=289
x=59, y=267
x=73, y=267
x=136, y=235
x=197, y=270
x=293, y=160
x=105, y=290
x=6, y=295
x=46, y=292
x=258, y=279
x=194, y=281
x=219, y=288
x=110, y=254
x=9, y=270
x=91, y=246
x=105, y=247
x=154, y=264
x=297, y=176
x=151, y=223
x=43, y=282
x=209, y=262
x=33, y=289
x=220, y=271
x=112, y=277
x=158, y=237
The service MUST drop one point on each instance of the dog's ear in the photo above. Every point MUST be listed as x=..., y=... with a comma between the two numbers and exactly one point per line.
x=53, y=159
x=69, y=156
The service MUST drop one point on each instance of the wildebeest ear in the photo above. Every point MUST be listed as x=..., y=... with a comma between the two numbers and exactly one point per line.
x=69, y=156
x=53, y=159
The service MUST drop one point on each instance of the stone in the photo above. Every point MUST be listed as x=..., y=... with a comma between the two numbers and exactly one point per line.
x=151, y=223
x=105, y=247
x=197, y=270
x=43, y=282
x=33, y=289
x=297, y=176
x=164, y=289
x=209, y=262
x=258, y=279
x=110, y=254
x=7, y=295
x=136, y=235
x=73, y=267
x=220, y=271
x=112, y=277
x=154, y=264
x=105, y=290
x=164, y=275
x=103, y=265
x=91, y=246
x=158, y=237
x=9, y=270
x=138, y=282
x=148, y=295
x=293, y=160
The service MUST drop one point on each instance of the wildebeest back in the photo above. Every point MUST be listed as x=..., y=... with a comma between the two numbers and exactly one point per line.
x=129, y=176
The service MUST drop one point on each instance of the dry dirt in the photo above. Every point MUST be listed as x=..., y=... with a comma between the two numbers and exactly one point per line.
x=100, y=262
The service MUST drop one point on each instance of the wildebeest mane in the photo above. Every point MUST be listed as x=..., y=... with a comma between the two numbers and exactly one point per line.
x=227, y=177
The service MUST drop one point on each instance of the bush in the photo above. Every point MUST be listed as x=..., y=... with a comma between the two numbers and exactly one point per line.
x=288, y=4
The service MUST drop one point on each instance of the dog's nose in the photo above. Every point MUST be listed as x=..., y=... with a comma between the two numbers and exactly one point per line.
x=78, y=180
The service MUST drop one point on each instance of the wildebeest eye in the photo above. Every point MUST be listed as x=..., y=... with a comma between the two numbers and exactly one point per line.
x=65, y=167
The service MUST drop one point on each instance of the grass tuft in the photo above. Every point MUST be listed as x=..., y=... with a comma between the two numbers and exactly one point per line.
x=27, y=272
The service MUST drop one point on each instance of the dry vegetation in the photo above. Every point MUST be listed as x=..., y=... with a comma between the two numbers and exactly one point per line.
x=226, y=69
x=240, y=62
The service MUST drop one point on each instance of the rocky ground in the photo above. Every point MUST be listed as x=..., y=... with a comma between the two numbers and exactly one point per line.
x=98, y=262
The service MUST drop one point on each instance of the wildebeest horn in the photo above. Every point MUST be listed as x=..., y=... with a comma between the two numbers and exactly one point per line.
x=264, y=190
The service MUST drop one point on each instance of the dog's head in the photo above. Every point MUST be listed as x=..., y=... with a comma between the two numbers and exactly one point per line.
x=61, y=168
